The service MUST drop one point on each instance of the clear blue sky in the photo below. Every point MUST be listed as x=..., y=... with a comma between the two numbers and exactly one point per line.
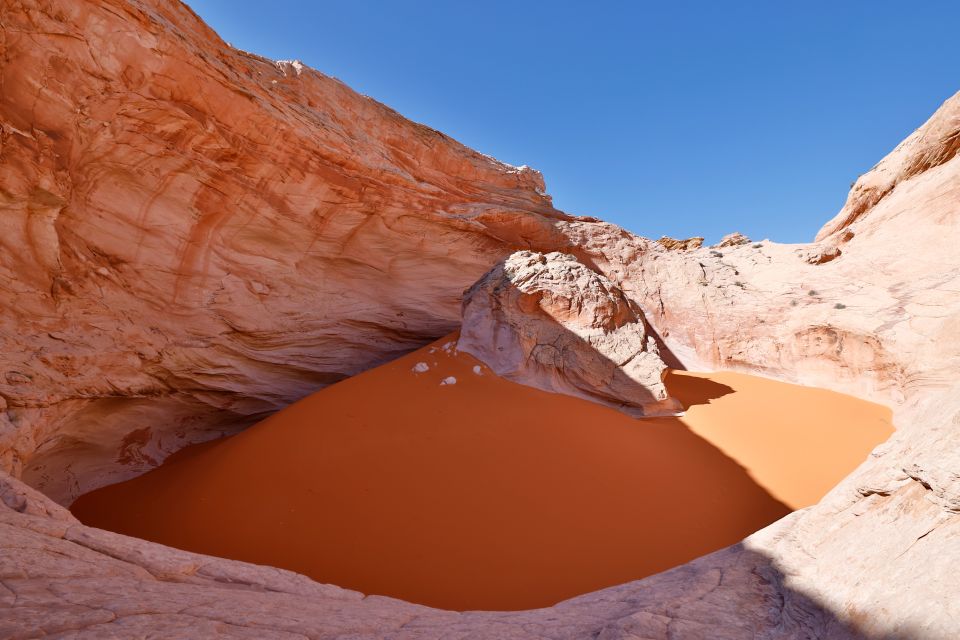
x=676, y=118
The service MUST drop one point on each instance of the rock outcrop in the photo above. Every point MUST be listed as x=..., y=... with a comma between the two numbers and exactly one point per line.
x=680, y=245
x=734, y=239
x=933, y=145
x=193, y=236
x=548, y=321
x=820, y=253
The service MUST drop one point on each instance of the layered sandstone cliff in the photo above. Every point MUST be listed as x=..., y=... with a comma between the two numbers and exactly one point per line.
x=193, y=236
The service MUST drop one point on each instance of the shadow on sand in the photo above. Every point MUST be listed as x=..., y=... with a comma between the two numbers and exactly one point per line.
x=693, y=391
x=484, y=494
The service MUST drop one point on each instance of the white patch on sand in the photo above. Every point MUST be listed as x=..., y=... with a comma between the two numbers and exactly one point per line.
x=477, y=370
x=421, y=367
x=448, y=380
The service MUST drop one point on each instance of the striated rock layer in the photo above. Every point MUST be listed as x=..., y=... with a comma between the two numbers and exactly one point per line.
x=549, y=322
x=192, y=236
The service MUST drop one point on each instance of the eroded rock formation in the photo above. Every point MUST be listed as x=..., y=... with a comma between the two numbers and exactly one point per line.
x=680, y=245
x=548, y=321
x=193, y=236
x=733, y=240
x=931, y=146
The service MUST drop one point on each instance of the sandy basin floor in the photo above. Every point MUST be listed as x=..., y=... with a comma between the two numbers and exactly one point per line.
x=485, y=494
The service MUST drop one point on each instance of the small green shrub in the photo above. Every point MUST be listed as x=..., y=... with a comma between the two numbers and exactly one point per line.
x=839, y=305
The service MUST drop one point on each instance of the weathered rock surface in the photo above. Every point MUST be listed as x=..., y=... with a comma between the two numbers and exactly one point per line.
x=192, y=236
x=680, y=245
x=882, y=321
x=934, y=144
x=547, y=321
x=820, y=253
x=733, y=240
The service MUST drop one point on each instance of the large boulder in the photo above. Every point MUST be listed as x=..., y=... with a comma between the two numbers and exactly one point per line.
x=548, y=321
x=734, y=239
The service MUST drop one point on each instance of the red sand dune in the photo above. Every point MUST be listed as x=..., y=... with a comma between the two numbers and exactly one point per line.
x=485, y=494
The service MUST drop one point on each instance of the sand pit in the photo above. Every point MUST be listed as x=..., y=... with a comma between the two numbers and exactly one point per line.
x=432, y=480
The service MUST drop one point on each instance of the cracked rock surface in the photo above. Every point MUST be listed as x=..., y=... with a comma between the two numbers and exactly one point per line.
x=548, y=321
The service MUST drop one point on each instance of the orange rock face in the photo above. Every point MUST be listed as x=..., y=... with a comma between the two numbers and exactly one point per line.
x=192, y=236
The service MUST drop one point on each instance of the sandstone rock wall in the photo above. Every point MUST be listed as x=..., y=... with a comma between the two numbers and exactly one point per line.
x=934, y=144
x=192, y=236
x=880, y=320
